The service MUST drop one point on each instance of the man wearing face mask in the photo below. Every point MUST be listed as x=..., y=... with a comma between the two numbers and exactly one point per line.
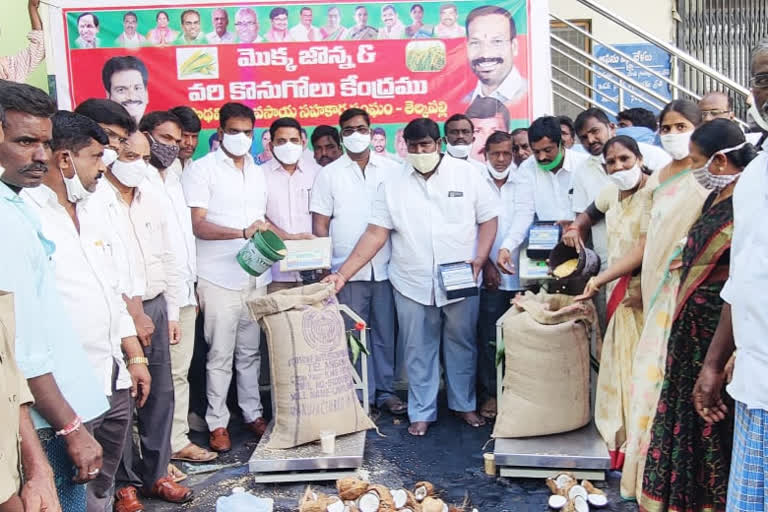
x=289, y=181
x=459, y=139
x=513, y=189
x=139, y=216
x=594, y=130
x=341, y=203
x=165, y=131
x=114, y=119
x=86, y=271
x=456, y=222
x=227, y=193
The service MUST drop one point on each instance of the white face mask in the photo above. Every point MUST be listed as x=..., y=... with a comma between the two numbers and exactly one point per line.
x=130, y=174
x=627, y=179
x=759, y=115
x=458, y=151
x=423, y=162
x=76, y=192
x=237, y=144
x=499, y=175
x=109, y=156
x=357, y=142
x=676, y=144
x=288, y=153
x=715, y=181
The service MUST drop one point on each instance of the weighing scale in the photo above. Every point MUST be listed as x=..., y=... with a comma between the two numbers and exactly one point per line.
x=307, y=463
x=581, y=452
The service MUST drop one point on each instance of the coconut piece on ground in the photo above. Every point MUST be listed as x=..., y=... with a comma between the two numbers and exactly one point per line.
x=557, y=501
x=386, y=503
x=597, y=500
x=423, y=490
x=431, y=504
x=577, y=490
x=591, y=489
x=369, y=502
x=334, y=505
x=580, y=504
x=351, y=488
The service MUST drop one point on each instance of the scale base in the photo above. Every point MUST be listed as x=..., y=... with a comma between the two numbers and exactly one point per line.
x=581, y=452
x=307, y=462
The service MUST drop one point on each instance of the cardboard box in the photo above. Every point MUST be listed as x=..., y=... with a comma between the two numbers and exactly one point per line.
x=306, y=255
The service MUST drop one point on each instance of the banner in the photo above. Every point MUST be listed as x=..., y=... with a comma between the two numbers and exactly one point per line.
x=310, y=61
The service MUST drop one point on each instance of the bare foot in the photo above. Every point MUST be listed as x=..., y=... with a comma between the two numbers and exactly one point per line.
x=418, y=428
x=488, y=409
x=472, y=419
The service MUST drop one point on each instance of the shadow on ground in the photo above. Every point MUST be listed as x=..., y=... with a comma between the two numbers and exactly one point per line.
x=449, y=456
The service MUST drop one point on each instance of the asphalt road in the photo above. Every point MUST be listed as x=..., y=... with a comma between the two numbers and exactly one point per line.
x=449, y=456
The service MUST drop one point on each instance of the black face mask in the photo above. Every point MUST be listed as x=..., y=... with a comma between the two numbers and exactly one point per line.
x=162, y=155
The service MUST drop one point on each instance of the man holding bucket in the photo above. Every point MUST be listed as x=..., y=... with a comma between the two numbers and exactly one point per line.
x=227, y=192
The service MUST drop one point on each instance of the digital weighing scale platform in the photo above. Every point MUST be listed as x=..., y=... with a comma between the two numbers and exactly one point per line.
x=581, y=452
x=307, y=463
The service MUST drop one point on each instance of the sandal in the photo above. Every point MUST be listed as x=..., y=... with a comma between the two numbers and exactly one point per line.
x=396, y=406
x=176, y=474
x=194, y=453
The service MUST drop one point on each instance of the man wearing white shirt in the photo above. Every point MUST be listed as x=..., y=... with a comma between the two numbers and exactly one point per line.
x=166, y=130
x=143, y=225
x=438, y=211
x=86, y=277
x=595, y=129
x=289, y=181
x=190, y=134
x=513, y=190
x=227, y=192
x=342, y=202
x=551, y=170
x=744, y=322
x=220, y=34
x=305, y=31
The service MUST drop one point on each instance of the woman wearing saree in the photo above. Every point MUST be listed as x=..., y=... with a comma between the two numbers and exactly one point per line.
x=332, y=30
x=676, y=205
x=688, y=460
x=625, y=204
x=162, y=34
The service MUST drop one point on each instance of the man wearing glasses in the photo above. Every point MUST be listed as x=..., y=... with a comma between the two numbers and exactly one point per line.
x=342, y=198
x=719, y=105
x=247, y=26
x=492, y=48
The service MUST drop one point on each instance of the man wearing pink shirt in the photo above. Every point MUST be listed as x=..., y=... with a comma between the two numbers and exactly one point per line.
x=289, y=184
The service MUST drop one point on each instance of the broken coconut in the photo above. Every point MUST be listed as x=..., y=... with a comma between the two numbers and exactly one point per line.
x=351, y=488
x=597, y=500
x=431, y=504
x=577, y=490
x=335, y=505
x=423, y=490
x=591, y=489
x=580, y=504
x=369, y=502
x=386, y=503
x=404, y=499
x=557, y=501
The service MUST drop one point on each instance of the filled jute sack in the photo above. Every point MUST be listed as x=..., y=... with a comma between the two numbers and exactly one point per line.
x=546, y=366
x=312, y=385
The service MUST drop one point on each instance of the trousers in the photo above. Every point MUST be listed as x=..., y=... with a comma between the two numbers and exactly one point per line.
x=156, y=417
x=181, y=357
x=426, y=330
x=111, y=430
x=231, y=334
x=373, y=301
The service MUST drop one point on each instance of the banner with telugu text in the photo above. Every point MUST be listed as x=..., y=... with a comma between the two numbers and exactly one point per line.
x=309, y=60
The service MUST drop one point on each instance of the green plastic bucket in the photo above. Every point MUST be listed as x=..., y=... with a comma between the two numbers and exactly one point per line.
x=261, y=252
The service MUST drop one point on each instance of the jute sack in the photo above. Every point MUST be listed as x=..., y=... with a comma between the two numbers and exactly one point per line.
x=312, y=384
x=546, y=372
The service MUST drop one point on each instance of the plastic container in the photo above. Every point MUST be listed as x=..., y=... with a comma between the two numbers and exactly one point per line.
x=263, y=250
x=241, y=501
x=573, y=284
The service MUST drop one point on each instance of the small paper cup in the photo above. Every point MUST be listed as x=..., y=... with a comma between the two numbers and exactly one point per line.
x=328, y=441
x=489, y=462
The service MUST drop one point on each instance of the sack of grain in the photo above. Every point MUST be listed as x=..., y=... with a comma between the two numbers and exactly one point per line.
x=312, y=384
x=546, y=372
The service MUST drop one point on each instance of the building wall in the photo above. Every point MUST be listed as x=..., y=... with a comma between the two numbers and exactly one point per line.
x=654, y=16
x=14, y=28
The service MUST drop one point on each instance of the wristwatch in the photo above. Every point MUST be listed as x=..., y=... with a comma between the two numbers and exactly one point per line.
x=137, y=360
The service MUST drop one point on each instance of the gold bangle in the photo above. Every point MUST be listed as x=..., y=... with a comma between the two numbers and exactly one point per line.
x=137, y=360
